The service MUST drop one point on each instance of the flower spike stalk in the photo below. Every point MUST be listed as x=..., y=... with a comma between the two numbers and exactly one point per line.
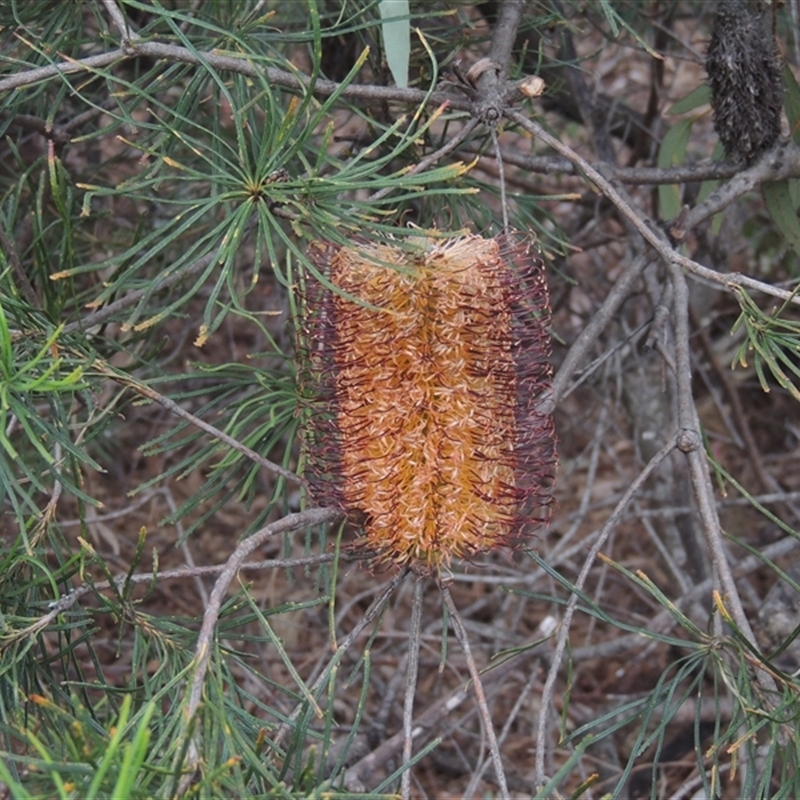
x=422, y=371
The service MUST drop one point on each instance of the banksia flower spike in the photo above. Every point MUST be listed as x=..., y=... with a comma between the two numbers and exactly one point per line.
x=422, y=371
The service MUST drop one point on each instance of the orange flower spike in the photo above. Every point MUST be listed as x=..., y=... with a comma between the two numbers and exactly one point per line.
x=423, y=424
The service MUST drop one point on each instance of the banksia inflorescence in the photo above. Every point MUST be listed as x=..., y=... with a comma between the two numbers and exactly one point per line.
x=423, y=371
x=744, y=74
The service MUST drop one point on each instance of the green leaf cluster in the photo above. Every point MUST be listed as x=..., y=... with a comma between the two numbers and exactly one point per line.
x=772, y=341
x=155, y=212
x=152, y=206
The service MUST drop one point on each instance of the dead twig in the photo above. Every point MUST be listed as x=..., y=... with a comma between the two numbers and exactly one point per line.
x=68, y=600
x=477, y=686
x=121, y=24
x=412, y=669
x=646, y=227
x=561, y=641
x=151, y=394
x=204, y=648
x=245, y=66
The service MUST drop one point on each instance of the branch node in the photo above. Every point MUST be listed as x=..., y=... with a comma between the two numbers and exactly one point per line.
x=688, y=440
x=487, y=113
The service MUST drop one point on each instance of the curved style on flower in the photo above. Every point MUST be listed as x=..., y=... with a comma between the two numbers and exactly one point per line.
x=422, y=371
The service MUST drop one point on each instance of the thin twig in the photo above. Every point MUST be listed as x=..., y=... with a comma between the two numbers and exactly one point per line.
x=118, y=18
x=199, y=586
x=12, y=255
x=647, y=228
x=690, y=443
x=68, y=600
x=48, y=513
x=501, y=178
x=374, y=609
x=505, y=32
x=664, y=620
x=512, y=716
x=688, y=425
x=412, y=670
x=701, y=482
x=204, y=648
x=291, y=522
x=433, y=158
x=642, y=176
x=590, y=334
x=112, y=515
x=561, y=642
x=56, y=133
x=477, y=686
x=781, y=162
x=427, y=721
x=171, y=406
x=243, y=65
x=158, y=283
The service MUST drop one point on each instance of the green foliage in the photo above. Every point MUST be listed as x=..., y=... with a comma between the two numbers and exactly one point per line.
x=703, y=666
x=792, y=102
x=155, y=211
x=782, y=198
x=163, y=198
x=773, y=342
x=781, y=201
x=99, y=761
x=40, y=383
x=396, y=30
x=672, y=153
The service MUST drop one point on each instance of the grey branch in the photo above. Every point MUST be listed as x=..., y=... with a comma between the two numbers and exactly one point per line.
x=151, y=394
x=204, y=648
x=652, y=234
x=505, y=32
x=243, y=66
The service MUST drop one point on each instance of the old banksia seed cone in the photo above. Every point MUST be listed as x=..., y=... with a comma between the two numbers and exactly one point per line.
x=744, y=74
x=422, y=372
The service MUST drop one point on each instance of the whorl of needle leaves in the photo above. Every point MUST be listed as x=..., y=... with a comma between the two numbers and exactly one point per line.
x=422, y=372
x=744, y=72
